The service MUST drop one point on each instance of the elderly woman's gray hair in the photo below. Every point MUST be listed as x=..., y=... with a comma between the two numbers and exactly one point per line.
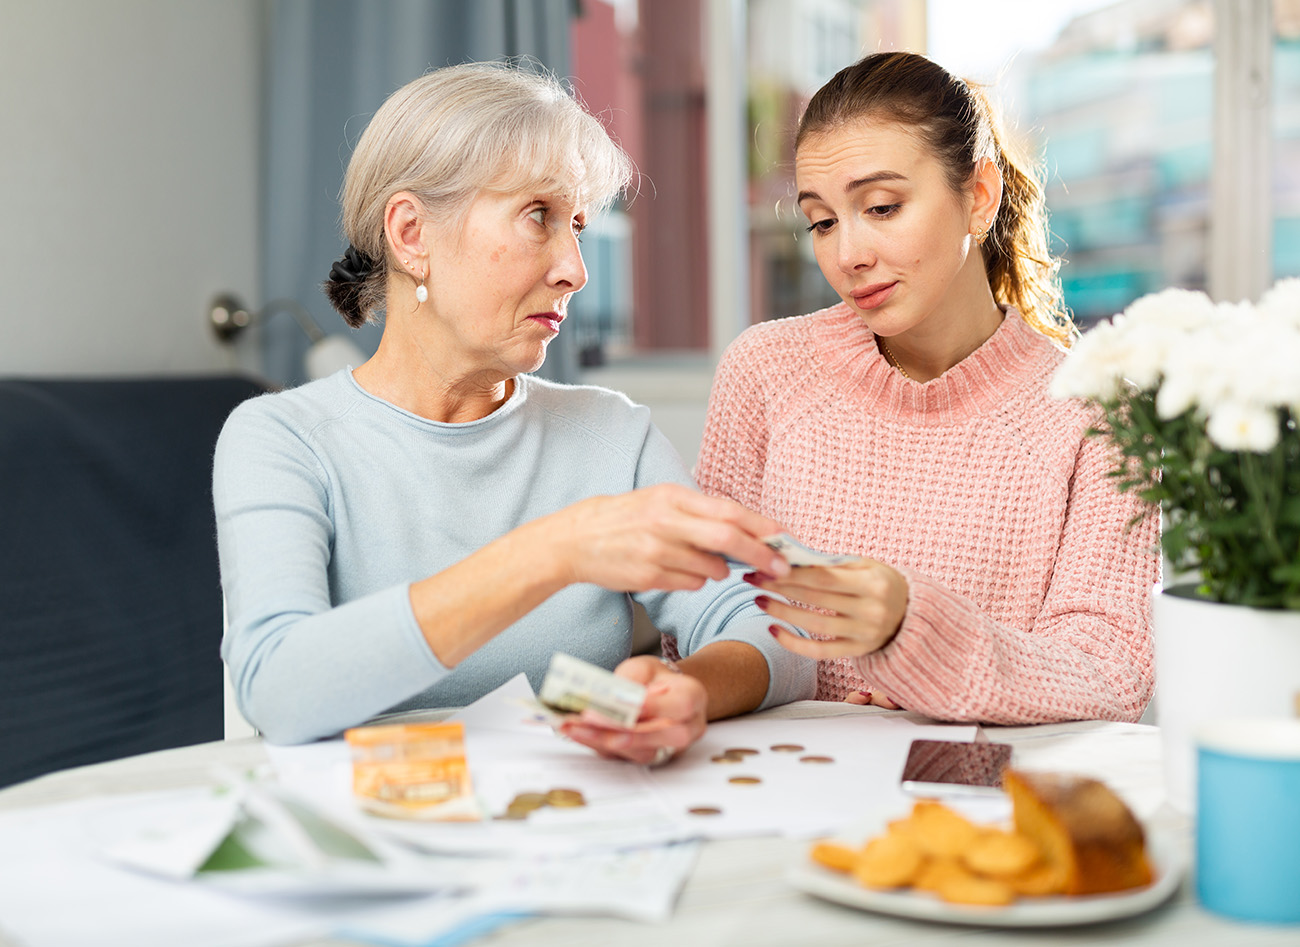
x=454, y=132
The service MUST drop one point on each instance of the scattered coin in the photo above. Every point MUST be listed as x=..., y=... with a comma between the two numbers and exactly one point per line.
x=726, y=758
x=526, y=803
x=787, y=748
x=745, y=780
x=565, y=798
x=740, y=751
x=704, y=810
x=816, y=759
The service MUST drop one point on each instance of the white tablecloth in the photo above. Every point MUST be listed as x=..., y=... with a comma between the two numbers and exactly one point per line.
x=738, y=894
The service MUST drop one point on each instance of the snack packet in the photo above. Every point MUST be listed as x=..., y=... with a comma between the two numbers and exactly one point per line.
x=413, y=771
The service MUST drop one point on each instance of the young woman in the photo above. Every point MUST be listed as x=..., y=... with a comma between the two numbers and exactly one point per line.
x=415, y=532
x=911, y=425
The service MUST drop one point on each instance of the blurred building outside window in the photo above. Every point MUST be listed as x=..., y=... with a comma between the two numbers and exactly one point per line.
x=1116, y=96
x=643, y=65
x=1121, y=104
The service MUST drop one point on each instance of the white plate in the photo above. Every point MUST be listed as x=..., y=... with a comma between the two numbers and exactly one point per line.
x=1166, y=861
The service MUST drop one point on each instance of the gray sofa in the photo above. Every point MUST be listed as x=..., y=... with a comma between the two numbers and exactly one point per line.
x=110, y=600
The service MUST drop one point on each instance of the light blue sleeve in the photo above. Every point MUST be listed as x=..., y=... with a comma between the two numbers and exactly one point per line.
x=722, y=610
x=301, y=668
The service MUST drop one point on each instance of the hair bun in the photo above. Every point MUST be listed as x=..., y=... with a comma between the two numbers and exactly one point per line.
x=354, y=267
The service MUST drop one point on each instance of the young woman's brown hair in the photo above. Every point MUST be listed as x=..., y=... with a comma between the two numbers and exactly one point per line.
x=958, y=123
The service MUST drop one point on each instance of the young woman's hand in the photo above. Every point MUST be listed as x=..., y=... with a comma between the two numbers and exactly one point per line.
x=662, y=537
x=855, y=608
x=672, y=718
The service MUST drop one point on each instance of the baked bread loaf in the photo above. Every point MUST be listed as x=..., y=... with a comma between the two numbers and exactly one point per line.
x=1089, y=838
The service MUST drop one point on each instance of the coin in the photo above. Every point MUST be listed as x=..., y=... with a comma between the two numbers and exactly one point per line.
x=523, y=804
x=787, y=748
x=740, y=751
x=745, y=780
x=816, y=759
x=565, y=798
x=704, y=810
x=726, y=758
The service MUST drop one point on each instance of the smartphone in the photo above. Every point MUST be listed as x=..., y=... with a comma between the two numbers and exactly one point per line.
x=939, y=768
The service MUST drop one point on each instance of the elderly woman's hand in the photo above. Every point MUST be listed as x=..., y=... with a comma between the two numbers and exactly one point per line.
x=662, y=537
x=855, y=608
x=672, y=718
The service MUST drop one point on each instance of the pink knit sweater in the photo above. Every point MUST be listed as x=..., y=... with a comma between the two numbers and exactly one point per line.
x=1028, y=596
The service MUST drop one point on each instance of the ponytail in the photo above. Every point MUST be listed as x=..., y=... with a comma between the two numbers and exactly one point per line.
x=1021, y=268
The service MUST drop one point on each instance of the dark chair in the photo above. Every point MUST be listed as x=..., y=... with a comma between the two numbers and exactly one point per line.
x=110, y=597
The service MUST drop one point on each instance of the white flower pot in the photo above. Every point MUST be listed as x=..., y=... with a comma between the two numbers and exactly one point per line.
x=1215, y=660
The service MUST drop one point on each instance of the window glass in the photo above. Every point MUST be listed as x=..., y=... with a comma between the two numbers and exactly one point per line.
x=1286, y=138
x=1117, y=99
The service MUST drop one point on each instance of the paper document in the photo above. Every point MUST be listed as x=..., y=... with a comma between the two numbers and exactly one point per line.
x=797, y=777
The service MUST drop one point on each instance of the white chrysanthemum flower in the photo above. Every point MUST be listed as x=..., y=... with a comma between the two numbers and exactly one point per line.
x=1283, y=300
x=1189, y=374
x=1233, y=312
x=1173, y=310
x=1219, y=359
x=1263, y=362
x=1138, y=353
x=1208, y=367
x=1133, y=346
x=1066, y=382
x=1238, y=427
x=1087, y=371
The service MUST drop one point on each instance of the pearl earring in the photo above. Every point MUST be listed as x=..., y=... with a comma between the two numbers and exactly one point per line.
x=422, y=293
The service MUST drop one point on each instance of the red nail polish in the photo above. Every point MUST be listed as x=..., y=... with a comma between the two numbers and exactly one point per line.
x=773, y=630
x=762, y=601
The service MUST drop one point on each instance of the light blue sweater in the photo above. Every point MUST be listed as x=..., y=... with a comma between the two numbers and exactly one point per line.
x=330, y=502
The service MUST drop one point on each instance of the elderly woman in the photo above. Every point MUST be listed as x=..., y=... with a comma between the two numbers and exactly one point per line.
x=416, y=531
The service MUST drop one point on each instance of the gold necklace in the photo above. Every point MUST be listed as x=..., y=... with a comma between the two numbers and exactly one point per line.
x=884, y=347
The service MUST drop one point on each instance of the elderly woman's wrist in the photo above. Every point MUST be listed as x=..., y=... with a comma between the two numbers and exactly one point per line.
x=545, y=550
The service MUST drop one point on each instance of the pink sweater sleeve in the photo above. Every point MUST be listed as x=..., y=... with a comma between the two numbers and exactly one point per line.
x=733, y=448
x=1088, y=654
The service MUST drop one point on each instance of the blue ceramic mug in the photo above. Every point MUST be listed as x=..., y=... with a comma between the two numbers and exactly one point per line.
x=1248, y=818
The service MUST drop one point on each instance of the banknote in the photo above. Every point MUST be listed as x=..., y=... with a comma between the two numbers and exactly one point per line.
x=797, y=554
x=572, y=685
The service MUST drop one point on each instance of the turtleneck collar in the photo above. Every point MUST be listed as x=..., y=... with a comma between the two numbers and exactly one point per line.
x=977, y=384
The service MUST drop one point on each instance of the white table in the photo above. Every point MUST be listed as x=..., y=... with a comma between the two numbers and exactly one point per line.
x=738, y=895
